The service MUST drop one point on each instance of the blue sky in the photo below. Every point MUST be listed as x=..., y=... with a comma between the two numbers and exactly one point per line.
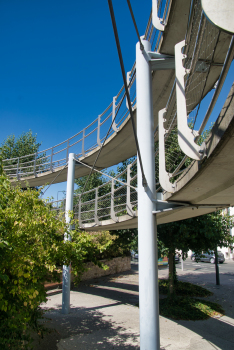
x=59, y=64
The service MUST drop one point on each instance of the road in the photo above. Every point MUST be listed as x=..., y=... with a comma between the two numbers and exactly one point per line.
x=226, y=267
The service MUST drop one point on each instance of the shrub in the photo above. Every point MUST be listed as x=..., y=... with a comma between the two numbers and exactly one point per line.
x=31, y=245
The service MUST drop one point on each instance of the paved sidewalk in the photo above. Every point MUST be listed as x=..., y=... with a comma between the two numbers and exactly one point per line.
x=104, y=316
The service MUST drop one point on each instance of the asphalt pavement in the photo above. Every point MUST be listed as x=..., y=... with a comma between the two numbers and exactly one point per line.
x=104, y=314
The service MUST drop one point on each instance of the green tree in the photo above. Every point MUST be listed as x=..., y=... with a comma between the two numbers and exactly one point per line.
x=122, y=167
x=204, y=232
x=95, y=180
x=14, y=147
x=126, y=240
x=25, y=146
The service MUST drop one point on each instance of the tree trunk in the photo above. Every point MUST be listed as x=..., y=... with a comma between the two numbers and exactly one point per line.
x=171, y=272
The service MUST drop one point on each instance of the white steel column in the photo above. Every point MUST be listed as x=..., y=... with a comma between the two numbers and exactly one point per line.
x=147, y=227
x=67, y=236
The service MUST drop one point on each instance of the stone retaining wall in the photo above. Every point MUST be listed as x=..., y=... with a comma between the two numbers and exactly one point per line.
x=116, y=265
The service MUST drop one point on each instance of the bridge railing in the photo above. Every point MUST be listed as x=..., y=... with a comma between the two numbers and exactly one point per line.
x=201, y=41
x=109, y=201
x=81, y=143
x=118, y=197
x=153, y=35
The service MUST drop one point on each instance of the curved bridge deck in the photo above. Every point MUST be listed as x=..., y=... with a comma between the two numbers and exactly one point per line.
x=204, y=185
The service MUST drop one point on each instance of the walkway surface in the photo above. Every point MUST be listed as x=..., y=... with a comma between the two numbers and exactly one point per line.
x=104, y=316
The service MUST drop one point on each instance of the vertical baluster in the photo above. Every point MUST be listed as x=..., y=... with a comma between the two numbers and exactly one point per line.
x=51, y=159
x=17, y=171
x=67, y=150
x=113, y=216
x=79, y=211
x=128, y=199
x=64, y=202
x=83, y=140
x=98, y=131
x=35, y=164
x=96, y=207
x=114, y=126
x=128, y=80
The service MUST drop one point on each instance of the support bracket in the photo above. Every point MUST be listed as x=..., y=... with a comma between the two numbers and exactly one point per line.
x=164, y=206
x=164, y=176
x=114, y=126
x=186, y=135
x=128, y=81
x=157, y=22
x=161, y=62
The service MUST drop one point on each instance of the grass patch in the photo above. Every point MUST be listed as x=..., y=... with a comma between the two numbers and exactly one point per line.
x=185, y=308
x=184, y=289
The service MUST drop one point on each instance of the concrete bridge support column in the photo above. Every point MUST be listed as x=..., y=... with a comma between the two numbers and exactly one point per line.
x=67, y=236
x=147, y=227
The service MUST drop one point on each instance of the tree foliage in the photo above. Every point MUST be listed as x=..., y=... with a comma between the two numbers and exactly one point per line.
x=25, y=146
x=126, y=240
x=14, y=147
x=200, y=233
x=31, y=250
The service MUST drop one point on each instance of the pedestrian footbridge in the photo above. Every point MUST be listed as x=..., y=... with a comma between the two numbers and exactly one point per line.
x=189, y=56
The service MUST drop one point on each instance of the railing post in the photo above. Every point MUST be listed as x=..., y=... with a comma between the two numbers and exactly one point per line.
x=128, y=199
x=96, y=207
x=64, y=201
x=79, y=213
x=114, y=126
x=67, y=236
x=186, y=136
x=128, y=81
x=113, y=216
x=98, y=131
x=83, y=150
x=51, y=159
x=17, y=171
x=67, y=150
x=147, y=227
x=157, y=22
x=35, y=164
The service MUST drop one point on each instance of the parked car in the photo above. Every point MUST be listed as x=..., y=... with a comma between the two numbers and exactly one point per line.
x=208, y=257
x=134, y=255
x=177, y=259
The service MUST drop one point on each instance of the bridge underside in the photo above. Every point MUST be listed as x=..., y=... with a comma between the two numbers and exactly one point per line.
x=207, y=185
x=121, y=144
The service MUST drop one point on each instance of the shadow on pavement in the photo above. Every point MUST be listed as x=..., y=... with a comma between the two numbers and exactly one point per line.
x=85, y=328
x=88, y=328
